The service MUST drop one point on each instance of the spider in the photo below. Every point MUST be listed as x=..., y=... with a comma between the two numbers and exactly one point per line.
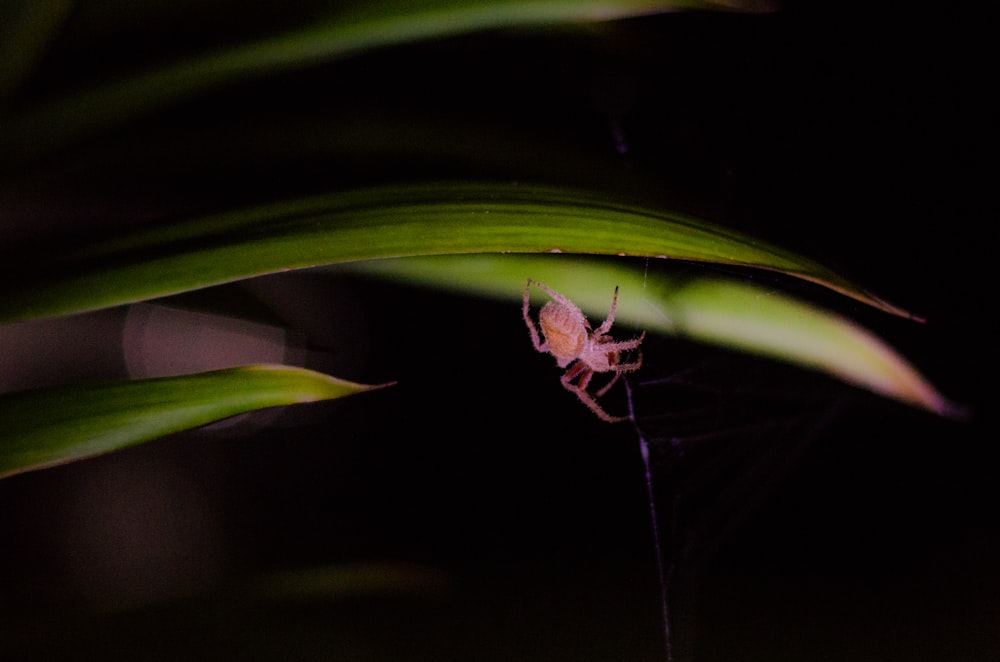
x=575, y=346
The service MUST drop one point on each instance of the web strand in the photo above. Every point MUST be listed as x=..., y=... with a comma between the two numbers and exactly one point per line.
x=720, y=436
x=662, y=572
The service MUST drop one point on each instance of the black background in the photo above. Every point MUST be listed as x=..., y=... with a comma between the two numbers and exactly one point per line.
x=861, y=140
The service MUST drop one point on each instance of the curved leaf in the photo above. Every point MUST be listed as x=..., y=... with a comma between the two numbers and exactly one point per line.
x=26, y=27
x=356, y=28
x=732, y=314
x=47, y=427
x=382, y=222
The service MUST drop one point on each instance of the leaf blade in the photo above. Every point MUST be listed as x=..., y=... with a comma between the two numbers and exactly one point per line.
x=731, y=314
x=379, y=222
x=356, y=28
x=51, y=426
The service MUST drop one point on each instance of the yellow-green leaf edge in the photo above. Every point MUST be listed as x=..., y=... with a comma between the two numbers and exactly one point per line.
x=51, y=426
x=732, y=314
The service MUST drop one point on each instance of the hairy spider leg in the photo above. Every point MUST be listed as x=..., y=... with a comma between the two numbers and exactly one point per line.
x=607, y=387
x=552, y=293
x=586, y=398
x=623, y=346
x=606, y=325
x=528, y=321
x=579, y=369
x=621, y=368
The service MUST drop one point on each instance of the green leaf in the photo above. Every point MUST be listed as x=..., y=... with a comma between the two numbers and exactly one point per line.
x=727, y=313
x=356, y=28
x=47, y=427
x=399, y=221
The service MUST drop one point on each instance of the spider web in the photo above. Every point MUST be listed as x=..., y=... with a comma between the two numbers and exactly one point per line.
x=718, y=432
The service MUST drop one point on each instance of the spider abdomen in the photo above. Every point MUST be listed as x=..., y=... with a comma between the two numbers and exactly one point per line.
x=565, y=331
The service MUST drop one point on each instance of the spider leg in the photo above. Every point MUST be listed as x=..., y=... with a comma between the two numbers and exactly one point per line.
x=606, y=325
x=552, y=293
x=623, y=345
x=630, y=367
x=577, y=369
x=607, y=387
x=588, y=399
x=582, y=371
x=585, y=379
x=535, y=339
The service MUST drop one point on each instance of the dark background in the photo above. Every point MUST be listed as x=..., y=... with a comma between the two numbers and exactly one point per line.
x=861, y=140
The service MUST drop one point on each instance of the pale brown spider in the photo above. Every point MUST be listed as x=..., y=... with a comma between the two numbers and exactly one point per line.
x=569, y=338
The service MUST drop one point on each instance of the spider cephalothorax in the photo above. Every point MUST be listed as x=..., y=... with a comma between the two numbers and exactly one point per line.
x=578, y=348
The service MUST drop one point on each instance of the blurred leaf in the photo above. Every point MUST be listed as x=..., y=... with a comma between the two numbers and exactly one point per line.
x=345, y=581
x=26, y=27
x=722, y=312
x=47, y=427
x=357, y=28
x=375, y=223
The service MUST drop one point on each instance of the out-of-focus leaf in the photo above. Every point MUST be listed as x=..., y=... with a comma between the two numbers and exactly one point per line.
x=358, y=27
x=345, y=581
x=727, y=313
x=26, y=27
